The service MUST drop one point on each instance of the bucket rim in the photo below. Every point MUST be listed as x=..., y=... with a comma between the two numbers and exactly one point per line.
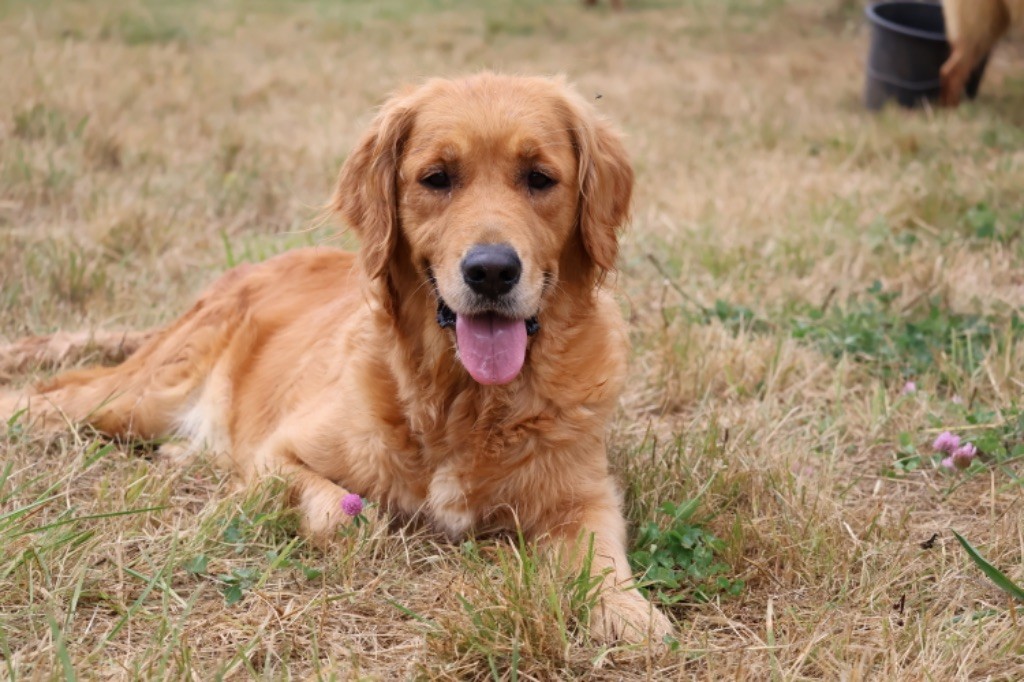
x=873, y=17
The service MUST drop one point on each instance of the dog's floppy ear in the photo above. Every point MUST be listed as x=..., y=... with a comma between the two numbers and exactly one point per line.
x=367, y=191
x=605, y=183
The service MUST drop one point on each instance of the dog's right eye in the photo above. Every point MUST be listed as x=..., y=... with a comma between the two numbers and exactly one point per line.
x=437, y=180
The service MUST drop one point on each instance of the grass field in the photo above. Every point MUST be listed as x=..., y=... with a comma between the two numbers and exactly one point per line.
x=792, y=264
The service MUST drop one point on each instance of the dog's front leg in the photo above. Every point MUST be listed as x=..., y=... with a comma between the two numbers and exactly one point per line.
x=317, y=499
x=596, y=537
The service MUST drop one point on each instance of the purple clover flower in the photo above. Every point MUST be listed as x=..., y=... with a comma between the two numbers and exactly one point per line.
x=946, y=442
x=352, y=504
x=964, y=455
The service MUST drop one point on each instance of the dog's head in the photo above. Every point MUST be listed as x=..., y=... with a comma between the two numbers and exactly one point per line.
x=498, y=192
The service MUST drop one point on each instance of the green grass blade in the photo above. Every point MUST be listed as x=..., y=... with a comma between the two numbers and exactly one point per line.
x=21, y=511
x=412, y=614
x=90, y=517
x=62, y=651
x=993, y=573
x=8, y=659
x=136, y=605
x=5, y=475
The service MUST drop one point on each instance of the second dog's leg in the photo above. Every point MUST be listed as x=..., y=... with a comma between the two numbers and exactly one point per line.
x=954, y=73
x=973, y=28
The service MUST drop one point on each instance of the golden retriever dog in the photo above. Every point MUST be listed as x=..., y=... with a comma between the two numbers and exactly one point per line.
x=461, y=367
x=973, y=27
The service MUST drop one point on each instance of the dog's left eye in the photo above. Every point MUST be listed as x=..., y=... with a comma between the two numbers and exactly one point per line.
x=538, y=181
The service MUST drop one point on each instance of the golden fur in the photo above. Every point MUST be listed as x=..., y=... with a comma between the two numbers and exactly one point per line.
x=330, y=369
x=973, y=27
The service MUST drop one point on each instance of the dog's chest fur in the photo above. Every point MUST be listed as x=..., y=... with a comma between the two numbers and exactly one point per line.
x=478, y=460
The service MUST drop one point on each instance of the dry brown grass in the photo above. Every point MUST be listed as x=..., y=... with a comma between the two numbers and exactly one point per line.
x=144, y=147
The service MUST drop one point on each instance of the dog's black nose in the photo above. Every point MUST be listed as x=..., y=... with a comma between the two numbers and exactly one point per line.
x=491, y=269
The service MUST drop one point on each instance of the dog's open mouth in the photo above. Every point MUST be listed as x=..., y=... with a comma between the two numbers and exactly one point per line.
x=492, y=347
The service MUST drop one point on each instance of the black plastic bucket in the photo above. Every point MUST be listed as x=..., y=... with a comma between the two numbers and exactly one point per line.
x=908, y=48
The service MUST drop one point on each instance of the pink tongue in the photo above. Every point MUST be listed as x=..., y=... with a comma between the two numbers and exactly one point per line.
x=492, y=348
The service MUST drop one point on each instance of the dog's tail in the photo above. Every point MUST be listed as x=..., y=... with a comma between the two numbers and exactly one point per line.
x=54, y=352
x=68, y=348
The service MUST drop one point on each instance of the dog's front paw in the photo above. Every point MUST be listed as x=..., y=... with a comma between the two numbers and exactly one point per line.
x=326, y=511
x=624, y=615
